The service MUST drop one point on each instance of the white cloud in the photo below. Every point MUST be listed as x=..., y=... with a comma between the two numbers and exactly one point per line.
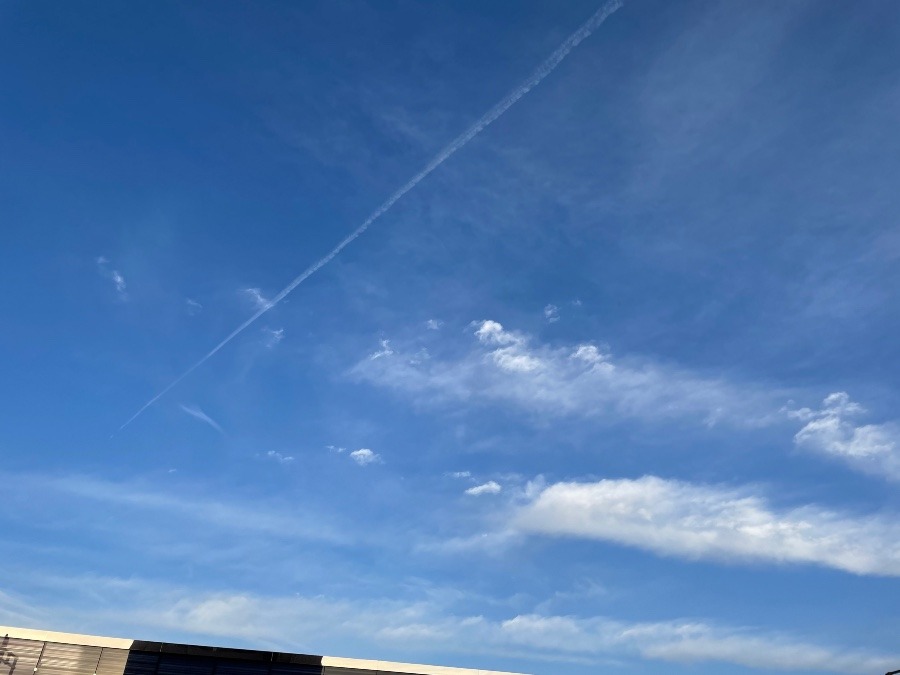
x=257, y=298
x=686, y=641
x=460, y=474
x=119, y=281
x=489, y=488
x=193, y=307
x=832, y=430
x=197, y=413
x=428, y=626
x=273, y=337
x=511, y=360
x=704, y=522
x=278, y=457
x=114, y=276
x=492, y=333
x=364, y=456
x=434, y=324
x=551, y=313
x=581, y=379
x=384, y=351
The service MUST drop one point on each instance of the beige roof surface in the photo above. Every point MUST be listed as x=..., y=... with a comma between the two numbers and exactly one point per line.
x=65, y=638
x=416, y=668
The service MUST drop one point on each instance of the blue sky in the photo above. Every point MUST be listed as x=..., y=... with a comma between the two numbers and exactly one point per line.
x=612, y=389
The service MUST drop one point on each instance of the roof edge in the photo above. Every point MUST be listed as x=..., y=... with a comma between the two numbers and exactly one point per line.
x=65, y=638
x=413, y=668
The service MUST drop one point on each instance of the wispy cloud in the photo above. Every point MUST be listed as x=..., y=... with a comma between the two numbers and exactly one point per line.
x=214, y=514
x=193, y=307
x=273, y=337
x=686, y=641
x=114, y=276
x=833, y=430
x=257, y=298
x=551, y=313
x=429, y=625
x=197, y=413
x=365, y=456
x=694, y=521
x=582, y=379
x=434, y=324
x=279, y=457
x=543, y=70
x=384, y=351
x=460, y=474
x=489, y=488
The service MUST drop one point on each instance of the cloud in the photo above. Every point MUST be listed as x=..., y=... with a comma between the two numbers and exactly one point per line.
x=582, y=379
x=119, y=281
x=686, y=642
x=489, y=488
x=384, y=351
x=273, y=337
x=278, y=457
x=114, y=276
x=257, y=298
x=190, y=508
x=832, y=431
x=460, y=474
x=551, y=313
x=364, y=456
x=696, y=522
x=433, y=324
x=197, y=413
x=193, y=307
x=428, y=625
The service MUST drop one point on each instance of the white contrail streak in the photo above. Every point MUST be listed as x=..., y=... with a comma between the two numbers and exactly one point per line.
x=543, y=70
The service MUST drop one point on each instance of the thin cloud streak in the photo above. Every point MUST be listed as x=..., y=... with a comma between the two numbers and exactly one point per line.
x=197, y=413
x=547, y=67
x=489, y=488
x=210, y=512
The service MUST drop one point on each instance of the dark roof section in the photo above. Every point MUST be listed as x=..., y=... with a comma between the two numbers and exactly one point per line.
x=165, y=658
x=225, y=653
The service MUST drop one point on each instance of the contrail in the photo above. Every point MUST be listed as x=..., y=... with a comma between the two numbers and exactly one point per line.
x=543, y=70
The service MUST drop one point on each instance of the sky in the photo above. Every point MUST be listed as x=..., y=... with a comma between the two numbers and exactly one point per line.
x=610, y=387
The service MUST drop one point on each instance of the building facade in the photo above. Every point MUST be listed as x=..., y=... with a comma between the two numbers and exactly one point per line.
x=26, y=651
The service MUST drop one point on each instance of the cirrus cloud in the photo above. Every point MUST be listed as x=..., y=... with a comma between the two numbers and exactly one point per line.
x=583, y=379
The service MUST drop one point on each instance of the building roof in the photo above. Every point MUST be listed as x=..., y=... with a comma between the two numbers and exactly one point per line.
x=326, y=665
